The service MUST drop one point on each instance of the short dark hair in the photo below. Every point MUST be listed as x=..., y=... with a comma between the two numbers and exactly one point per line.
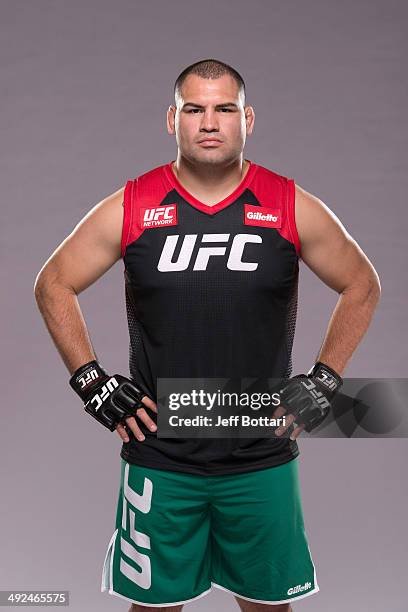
x=209, y=69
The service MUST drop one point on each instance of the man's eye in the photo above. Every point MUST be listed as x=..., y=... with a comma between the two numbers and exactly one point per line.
x=199, y=110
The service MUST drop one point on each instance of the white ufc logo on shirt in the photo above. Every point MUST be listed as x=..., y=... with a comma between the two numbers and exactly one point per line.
x=158, y=216
x=234, y=259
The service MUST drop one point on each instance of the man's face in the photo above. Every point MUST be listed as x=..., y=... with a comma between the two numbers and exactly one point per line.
x=210, y=121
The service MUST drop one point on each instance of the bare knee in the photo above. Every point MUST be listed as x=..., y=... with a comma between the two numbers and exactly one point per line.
x=252, y=606
x=140, y=608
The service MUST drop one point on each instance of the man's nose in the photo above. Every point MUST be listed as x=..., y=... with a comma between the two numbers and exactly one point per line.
x=209, y=121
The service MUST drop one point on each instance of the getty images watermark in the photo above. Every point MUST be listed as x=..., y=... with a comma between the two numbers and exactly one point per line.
x=245, y=408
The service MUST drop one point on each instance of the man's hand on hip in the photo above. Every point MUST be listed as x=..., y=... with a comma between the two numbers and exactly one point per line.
x=114, y=401
x=307, y=399
x=131, y=422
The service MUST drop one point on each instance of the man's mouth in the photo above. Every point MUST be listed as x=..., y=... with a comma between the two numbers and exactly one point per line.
x=210, y=142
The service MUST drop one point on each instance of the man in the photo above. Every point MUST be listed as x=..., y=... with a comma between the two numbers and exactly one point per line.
x=211, y=244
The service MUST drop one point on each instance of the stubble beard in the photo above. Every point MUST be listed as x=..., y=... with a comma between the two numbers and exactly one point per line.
x=213, y=161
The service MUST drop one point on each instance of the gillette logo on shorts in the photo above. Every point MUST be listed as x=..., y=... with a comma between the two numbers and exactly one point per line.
x=262, y=215
x=299, y=588
x=157, y=216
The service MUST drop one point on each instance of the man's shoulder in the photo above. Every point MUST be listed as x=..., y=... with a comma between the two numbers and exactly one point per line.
x=268, y=173
x=156, y=173
x=151, y=186
x=267, y=183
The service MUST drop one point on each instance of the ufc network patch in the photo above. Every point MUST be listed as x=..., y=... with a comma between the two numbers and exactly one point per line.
x=158, y=216
x=262, y=216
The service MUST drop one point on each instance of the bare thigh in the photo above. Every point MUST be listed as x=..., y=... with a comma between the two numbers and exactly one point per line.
x=252, y=606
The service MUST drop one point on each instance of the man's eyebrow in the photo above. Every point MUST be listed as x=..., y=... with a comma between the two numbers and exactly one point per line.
x=230, y=104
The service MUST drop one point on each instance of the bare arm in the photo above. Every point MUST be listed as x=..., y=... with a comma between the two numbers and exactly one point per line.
x=335, y=257
x=84, y=256
x=332, y=254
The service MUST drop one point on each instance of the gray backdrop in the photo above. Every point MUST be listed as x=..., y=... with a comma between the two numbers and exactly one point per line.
x=85, y=87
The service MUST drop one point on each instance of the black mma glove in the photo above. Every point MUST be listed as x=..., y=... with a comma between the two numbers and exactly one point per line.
x=109, y=399
x=309, y=397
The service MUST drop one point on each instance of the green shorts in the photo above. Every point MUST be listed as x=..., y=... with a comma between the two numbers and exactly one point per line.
x=179, y=534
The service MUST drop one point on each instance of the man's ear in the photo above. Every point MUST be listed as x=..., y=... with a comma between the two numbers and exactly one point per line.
x=249, y=119
x=171, y=114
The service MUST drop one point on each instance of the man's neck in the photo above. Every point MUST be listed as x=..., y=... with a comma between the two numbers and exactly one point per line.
x=209, y=183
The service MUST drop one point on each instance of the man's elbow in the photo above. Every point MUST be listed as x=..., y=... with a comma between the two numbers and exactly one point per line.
x=45, y=283
x=365, y=287
x=374, y=284
x=40, y=288
x=38, y=285
x=368, y=288
x=374, y=291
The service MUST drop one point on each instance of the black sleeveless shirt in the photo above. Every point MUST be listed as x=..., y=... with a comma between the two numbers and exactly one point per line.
x=211, y=291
